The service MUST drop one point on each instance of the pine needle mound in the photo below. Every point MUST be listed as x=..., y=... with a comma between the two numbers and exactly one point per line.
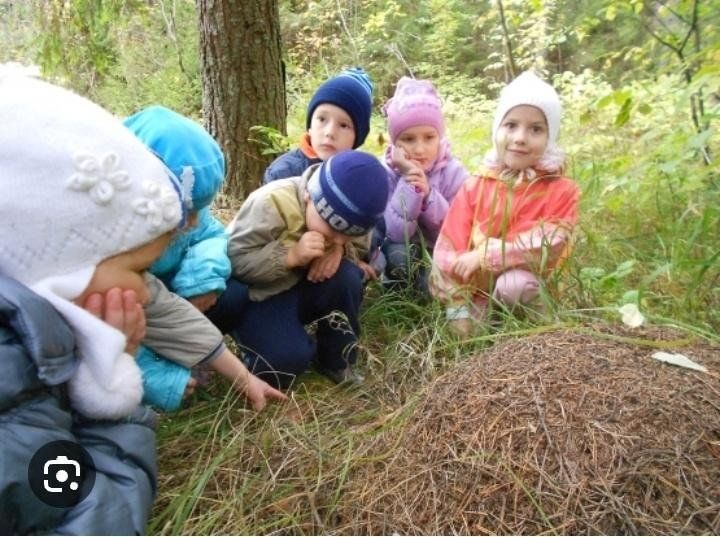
x=576, y=432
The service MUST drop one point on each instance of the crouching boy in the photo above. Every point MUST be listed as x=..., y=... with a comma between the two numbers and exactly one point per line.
x=278, y=232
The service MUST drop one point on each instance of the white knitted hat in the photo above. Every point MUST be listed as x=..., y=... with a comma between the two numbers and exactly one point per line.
x=529, y=89
x=77, y=187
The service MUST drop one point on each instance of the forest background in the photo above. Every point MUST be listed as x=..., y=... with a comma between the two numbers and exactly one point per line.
x=640, y=84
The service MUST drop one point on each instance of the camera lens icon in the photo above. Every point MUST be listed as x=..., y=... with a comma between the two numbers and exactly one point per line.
x=61, y=473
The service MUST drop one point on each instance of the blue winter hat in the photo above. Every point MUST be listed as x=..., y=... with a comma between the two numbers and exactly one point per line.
x=350, y=191
x=186, y=148
x=351, y=90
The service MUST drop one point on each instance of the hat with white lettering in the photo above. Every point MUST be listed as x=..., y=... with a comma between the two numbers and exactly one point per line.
x=350, y=191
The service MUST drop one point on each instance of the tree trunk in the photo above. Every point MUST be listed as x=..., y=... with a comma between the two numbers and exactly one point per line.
x=243, y=83
x=510, y=68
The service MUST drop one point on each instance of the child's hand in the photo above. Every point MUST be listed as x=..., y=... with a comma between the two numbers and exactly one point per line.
x=370, y=273
x=400, y=159
x=258, y=393
x=122, y=310
x=204, y=302
x=190, y=387
x=467, y=264
x=322, y=268
x=310, y=246
x=417, y=179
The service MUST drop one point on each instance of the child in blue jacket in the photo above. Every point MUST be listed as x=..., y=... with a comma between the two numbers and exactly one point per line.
x=194, y=266
x=338, y=118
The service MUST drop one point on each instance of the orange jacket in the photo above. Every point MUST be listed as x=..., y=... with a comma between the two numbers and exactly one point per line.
x=527, y=224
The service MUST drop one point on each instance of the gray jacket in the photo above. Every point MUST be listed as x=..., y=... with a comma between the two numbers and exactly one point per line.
x=37, y=357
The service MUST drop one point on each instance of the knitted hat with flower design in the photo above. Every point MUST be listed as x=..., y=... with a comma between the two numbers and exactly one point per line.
x=78, y=188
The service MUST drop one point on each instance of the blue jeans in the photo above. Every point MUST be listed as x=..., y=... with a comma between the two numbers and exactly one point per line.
x=230, y=305
x=405, y=266
x=273, y=331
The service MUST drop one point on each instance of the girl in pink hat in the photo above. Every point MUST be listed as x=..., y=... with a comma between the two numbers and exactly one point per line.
x=424, y=178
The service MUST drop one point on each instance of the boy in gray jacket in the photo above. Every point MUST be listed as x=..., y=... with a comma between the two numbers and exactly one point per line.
x=279, y=230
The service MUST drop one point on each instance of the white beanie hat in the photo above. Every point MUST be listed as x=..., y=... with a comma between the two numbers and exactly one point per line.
x=528, y=89
x=77, y=188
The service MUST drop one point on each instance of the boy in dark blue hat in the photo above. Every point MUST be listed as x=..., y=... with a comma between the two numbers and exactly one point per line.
x=278, y=232
x=338, y=118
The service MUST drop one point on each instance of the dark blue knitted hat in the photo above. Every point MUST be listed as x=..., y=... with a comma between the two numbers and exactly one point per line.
x=351, y=90
x=350, y=191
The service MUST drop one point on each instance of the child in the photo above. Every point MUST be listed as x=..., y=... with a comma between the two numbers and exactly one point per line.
x=280, y=229
x=424, y=178
x=508, y=228
x=195, y=266
x=86, y=208
x=338, y=118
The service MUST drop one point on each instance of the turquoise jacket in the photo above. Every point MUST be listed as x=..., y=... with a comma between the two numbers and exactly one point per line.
x=196, y=262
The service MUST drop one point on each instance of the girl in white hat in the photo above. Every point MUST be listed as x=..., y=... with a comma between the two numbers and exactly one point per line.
x=509, y=227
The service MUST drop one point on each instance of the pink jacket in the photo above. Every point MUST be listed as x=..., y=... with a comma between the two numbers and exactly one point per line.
x=524, y=225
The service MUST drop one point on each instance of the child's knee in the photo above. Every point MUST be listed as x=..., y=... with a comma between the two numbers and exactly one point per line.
x=515, y=287
x=280, y=366
x=289, y=353
x=349, y=275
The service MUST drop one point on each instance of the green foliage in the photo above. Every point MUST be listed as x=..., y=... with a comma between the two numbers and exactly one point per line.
x=77, y=42
x=124, y=54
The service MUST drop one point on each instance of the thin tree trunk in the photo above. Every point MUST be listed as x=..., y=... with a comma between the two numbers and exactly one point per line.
x=510, y=59
x=243, y=83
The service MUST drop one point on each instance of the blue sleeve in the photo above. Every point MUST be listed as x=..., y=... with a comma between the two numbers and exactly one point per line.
x=290, y=164
x=205, y=266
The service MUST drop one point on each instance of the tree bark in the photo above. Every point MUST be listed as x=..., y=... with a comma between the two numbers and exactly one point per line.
x=243, y=85
x=507, y=44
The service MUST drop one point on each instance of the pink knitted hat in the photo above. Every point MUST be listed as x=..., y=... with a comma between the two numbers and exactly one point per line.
x=415, y=102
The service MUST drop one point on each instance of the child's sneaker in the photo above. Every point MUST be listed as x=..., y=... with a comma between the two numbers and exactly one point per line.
x=342, y=376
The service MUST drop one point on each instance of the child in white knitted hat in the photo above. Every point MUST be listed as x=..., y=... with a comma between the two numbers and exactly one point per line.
x=86, y=208
x=509, y=227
